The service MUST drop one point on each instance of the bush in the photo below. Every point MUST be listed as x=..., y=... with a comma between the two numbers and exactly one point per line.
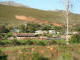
x=75, y=38
x=29, y=42
x=24, y=42
x=51, y=42
x=41, y=42
x=5, y=42
x=67, y=56
x=3, y=56
x=20, y=42
x=37, y=56
x=7, y=35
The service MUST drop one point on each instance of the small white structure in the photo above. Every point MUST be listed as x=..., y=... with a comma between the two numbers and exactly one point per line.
x=39, y=32
x=16, y=30
x=75, y=32
x=52, y=32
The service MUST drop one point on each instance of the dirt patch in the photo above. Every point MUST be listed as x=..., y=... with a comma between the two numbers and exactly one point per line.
x=25, y=18
x=31, y=19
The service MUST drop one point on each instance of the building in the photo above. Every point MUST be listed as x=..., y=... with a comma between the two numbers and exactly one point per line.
x=52, y=32
x=75, y=32
x=24, y=35
x=40, y=32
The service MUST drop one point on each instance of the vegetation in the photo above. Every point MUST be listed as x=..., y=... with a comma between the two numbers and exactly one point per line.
x=36, y=49
x=37, y=56
x=64, y=52
x=8, y=13
x=3, y=29
x=24, y=42
x=75, y=38
x=3, y=56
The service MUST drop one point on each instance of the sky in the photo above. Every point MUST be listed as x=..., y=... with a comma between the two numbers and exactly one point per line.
x=50, y=4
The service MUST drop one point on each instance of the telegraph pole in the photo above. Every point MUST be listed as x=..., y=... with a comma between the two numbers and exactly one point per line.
x=9, y=3
x=67, y=21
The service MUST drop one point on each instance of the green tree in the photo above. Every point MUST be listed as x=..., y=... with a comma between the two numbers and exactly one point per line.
x=22, y=28
x=3, y=29
x=47, y=27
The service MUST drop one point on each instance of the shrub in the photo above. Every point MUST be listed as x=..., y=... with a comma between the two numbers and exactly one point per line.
x=1, y=53
x=7, y=35
x=51, y=42
x=37, y=56
x=3, y=56
x=24, y=42
x=29, y=42
x=20, y=42
x=5, y=42
x=75, y=38
x=41, y=42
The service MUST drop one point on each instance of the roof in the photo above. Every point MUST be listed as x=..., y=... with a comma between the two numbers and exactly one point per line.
x=25, y=34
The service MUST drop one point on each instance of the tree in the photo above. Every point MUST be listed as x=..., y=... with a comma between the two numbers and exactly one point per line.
x=47, y=27
x=3, y=29
x=21, y=28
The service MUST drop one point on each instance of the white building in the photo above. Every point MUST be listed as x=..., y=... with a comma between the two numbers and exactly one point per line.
x=75, y=32
x=52, y=32
x=40, y=32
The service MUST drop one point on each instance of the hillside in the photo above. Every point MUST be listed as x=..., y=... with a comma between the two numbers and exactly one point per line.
x=8, y=15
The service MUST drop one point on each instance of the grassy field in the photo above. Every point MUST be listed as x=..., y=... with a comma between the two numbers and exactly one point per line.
x=53, y=52
x=57, y=51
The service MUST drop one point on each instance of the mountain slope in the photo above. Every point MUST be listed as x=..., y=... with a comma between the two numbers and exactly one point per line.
x=8, y=15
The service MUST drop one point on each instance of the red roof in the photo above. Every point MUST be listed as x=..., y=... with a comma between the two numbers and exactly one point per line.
x=24, y=34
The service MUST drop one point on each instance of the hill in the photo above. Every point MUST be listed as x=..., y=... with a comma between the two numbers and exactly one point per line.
x=19, y=15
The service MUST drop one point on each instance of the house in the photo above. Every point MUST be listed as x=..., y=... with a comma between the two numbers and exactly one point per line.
x=40, y=32
x=45, y=32
x=24, y=35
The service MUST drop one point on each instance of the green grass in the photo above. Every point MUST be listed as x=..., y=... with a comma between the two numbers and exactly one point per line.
x=61, y=41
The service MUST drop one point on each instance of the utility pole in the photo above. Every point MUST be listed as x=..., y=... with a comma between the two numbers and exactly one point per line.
x=67, y=21
x=9, y=2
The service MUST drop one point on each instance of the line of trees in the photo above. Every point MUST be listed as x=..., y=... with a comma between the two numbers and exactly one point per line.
x=29, y=28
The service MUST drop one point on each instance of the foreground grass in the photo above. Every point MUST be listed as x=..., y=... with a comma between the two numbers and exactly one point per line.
x=51, y=51
x=65, y=52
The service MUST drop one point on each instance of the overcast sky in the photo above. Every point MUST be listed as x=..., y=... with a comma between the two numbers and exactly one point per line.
x=50, y=4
